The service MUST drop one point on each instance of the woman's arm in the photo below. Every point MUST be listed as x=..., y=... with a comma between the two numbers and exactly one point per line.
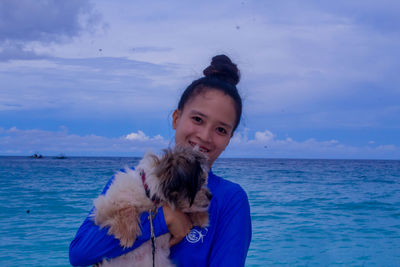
x=92, y=244
x=233, y=233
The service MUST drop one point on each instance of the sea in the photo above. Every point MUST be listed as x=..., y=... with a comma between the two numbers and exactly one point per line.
x=305, y=212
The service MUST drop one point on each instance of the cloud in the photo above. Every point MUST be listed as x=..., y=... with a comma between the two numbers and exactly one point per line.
x=89, y=85
x=266, y=144
x=306, y=66
x=18, y=52
x=382, y=16
x=147, y=49
x=15, y=141
x=309, y=59
x=25, y=24
x=265, y=136
x=140, y=136
x=45, y=21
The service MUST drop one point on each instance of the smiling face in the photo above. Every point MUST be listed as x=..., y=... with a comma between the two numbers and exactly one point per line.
x=207, y=120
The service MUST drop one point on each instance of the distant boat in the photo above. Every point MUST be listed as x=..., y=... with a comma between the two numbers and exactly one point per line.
x=37, y=156
x=61, y=156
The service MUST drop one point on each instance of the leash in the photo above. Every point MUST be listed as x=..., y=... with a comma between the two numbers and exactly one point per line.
x=152, y=236
x=152, y=212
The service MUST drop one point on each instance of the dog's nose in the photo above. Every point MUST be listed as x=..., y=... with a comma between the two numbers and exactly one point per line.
x=209, y=195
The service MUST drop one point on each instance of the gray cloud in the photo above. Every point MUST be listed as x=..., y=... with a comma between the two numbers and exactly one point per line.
x=147, y=49
x=378, y=15
x=17, y=51
x=89, y=85
x=49, y=21
x=45, y=21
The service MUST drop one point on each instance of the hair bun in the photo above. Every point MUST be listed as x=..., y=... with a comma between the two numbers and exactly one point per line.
x=222, y=68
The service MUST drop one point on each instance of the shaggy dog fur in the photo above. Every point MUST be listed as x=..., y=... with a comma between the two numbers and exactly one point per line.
x=178, y=177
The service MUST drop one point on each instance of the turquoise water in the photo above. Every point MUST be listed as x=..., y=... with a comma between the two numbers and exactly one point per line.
x=304, y=212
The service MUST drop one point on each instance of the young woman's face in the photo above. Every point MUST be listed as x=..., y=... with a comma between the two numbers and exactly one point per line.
x=207, y=120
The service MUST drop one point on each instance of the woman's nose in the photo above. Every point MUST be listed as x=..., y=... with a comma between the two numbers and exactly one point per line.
x=205, y=134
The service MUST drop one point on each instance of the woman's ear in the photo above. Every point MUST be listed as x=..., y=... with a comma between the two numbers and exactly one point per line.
x=175, y=118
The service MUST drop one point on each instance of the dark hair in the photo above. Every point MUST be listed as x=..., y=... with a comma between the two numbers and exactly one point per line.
x=222, y=75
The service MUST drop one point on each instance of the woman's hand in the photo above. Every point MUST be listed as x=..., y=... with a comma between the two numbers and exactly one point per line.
x=178, y=224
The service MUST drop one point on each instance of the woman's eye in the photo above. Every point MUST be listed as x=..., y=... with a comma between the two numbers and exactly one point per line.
x=196, y=119
x=221, y=130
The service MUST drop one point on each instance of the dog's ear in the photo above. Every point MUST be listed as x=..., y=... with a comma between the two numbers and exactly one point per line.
x=181, y=170
x=193, y=180
x=173, y=198
x=178, y=186
x=126, y=226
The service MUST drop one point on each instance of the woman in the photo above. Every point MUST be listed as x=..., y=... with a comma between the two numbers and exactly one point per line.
x=208, y=113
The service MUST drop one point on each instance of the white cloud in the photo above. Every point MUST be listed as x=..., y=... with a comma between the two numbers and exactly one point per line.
x=388, y=148
x=265, y=136
x=139, y=136
x=14, y=141
x=266, y=144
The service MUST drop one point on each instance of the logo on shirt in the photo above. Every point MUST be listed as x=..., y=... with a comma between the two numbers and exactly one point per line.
x=195, y=235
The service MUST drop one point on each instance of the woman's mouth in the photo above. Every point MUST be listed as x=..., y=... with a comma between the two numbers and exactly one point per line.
x=200, y=148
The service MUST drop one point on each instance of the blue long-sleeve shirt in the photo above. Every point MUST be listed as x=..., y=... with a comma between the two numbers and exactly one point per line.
x=224, y=242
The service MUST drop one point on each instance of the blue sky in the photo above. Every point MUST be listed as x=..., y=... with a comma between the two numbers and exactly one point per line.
x=102, y=78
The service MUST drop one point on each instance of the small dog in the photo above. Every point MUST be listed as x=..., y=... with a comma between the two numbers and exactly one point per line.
x=178, y=178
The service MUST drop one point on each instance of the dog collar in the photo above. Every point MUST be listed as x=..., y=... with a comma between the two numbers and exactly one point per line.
x=154, y=198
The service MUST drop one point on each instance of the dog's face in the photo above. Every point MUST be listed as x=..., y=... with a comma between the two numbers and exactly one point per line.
x=183, y=176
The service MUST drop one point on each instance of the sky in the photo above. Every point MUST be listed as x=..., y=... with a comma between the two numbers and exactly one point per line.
x=102, y=78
